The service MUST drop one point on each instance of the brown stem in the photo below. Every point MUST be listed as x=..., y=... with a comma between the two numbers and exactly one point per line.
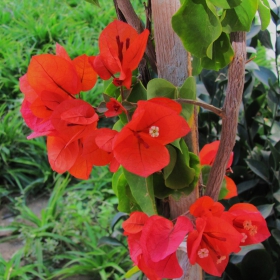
x=132, y=19
x=230, y=114
x=204, y=105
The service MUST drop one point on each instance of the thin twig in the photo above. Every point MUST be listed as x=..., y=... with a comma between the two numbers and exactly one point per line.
x=204, y=105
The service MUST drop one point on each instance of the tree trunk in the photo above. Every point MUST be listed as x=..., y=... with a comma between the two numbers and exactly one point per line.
x=172, y=66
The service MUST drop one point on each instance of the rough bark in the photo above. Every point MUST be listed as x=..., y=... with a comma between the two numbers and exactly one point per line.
x=172, y=65
x=230, y=114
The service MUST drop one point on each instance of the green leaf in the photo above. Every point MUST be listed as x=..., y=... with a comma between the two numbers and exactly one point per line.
x=142, y=191
x=127, y=203
x=195, y=164
x=264, y=12
x=276, y=195
x=112, y=90
x=182, y=175
x=264, y=75
x=188, y=91
x=257, y=265
x=94, y=2
x=265, y=209
x=173, y=158
x=131, y=272
x=276, y=234
x=222, y=54
x=108, y=240
x=246, y=185
x=240, y=18
x=275, y=154
x=161, y=88
x=118, y=126
x=138, y=93
x=259, y=168
x=223, y=191
x=117, y=218
x=225, y=4
x=161, y=191
x=198, y=26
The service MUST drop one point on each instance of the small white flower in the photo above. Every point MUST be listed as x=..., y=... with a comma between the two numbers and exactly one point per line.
x=154, y=131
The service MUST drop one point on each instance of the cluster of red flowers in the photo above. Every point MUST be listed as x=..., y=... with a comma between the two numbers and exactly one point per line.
x=52, y=107
x=154, y=240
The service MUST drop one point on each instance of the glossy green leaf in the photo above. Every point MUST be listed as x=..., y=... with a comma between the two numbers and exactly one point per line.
x=259, y=168
x=108, y=240
x=276, y=234
x=264, y=12
x=257, y=265
x=246, y=185
x=240, y=18
x=198, y=26
x=188, y=91
x=222, y=54
x=117, y=218
x=127, y=203
x=223, y=190
x=265, y=209
x=137, y=93
x=118, y=125
x=265, y=75
x=143, y=192
x=173, y=158
x=195, y=164
x=225, y=4
x=161, y=191
x=111, y=90
x=131, y=272
x=161, y=88
x=182, y=175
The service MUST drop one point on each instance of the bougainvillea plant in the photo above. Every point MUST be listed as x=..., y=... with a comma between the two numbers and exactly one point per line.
x=145, y=148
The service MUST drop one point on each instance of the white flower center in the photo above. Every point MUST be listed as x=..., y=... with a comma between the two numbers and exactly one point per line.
x=154, y=131
x=244, y=237
x=203, y=253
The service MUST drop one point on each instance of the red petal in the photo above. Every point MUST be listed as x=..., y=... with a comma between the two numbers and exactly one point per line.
x=62, y=155
x=93, y=153
x=206, y=206
x=114, y=107
x=134, y=224
x=73, y=118
x=231, y=187
x=139, y=153
x=208, y=154
x=104, y=139
x=171, y=125
x=85, y=71
x=40, y=126
x=168, y=103
x=168, y=267
x=161, y=239
x=29, y=93
x=101, y=69
x=54, y=74
x=135, y=52
x=61, y=52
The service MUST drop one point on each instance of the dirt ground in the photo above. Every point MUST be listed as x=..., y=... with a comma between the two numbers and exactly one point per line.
x=7, y=249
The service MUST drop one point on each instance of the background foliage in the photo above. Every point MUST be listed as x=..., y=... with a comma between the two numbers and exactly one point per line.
x=66, y=239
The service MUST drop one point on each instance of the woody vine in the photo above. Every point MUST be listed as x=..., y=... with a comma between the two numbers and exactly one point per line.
x=145, y=148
